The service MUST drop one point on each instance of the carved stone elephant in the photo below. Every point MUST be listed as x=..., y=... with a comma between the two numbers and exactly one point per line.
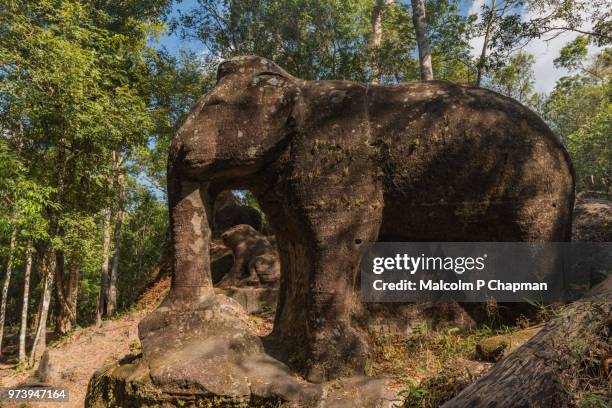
x=255, y=258
x=337, y=163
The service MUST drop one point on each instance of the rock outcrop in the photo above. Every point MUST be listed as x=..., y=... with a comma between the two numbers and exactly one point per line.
x=564, y=357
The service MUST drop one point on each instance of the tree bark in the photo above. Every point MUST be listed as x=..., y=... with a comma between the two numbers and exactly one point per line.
x=483, y=53
x=112, y=287
x=5, y=286
x=420, y=27
x=377, y=35
x=74, y=272
x=62, y=324
x=65, y=309
x=102, y=300
x=24, y=308
x=40, y=339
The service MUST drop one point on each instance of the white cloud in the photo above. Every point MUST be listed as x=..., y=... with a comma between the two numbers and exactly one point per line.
x=546, y=75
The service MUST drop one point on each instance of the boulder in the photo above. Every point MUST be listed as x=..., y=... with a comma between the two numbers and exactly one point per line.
x=229, y=212
x=253, y=300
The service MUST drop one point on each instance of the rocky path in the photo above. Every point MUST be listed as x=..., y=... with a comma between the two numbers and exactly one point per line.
x=74, y=359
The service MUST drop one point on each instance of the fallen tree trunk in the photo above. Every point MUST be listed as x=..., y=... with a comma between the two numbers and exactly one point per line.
x=553, y=369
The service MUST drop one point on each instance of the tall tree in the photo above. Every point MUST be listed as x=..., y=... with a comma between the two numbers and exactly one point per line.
x=40, y=337
x=5, y=285
x=420, y=27
x=377, y=33
x=111, y=296
x=24, y=308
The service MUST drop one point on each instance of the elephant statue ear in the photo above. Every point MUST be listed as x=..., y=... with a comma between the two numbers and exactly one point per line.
x=282, y=95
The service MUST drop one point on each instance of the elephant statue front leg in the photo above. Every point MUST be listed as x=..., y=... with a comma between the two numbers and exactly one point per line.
x=195, y=336
x=191, y=287
x=337, y=347
x=191, y=234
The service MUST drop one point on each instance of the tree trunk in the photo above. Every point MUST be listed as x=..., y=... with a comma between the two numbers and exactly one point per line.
x=24, y=308
x=102, y=301
x=40, y=339
x=112, y=287
x=377, y=35
x=62, y=324
x=483, y=53
x=420, y=27
x=5, y=286
x=542, y=371
x=74, y=272
x=65, y=312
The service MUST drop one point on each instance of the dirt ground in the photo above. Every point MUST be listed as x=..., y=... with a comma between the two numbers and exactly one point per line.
x=75, y=358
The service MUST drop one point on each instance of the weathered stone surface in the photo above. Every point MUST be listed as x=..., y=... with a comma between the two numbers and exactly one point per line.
x=253, y=300
x=337, y=163
x=561, y=359
x=221, y=260
x=255, y=258
x=494, y=348
x=128, y=384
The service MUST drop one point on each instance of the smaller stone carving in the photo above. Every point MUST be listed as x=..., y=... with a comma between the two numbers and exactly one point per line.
x=255, y=258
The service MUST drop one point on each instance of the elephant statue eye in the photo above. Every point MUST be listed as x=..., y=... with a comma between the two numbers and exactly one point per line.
x=214, y=100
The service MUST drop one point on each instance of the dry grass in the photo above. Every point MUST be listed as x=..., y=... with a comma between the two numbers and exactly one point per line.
x=585, y=373
x=430, y=366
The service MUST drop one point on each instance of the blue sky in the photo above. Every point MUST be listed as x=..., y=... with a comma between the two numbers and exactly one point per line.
x=544, y=52
x=173, y=42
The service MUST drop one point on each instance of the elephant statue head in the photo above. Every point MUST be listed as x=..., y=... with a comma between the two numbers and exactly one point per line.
x=236, y=128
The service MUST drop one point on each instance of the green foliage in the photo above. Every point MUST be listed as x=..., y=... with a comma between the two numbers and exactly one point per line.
x=331, y=39
x=591, y=148
x=413, y=394
x=573, y=54
x=512, y=24
x=174, y=84
x=75, y=94
x=579, y=110
x=142, y=243
x=23, y=203
x=450, y=32
x=310, y=38
x=515, y=79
